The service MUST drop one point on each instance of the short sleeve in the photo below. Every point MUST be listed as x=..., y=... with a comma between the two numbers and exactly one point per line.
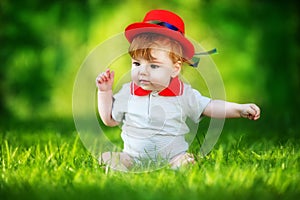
x=195, y=103
x=120, y=103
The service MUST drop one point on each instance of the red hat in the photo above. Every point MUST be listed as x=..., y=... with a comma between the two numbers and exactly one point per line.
x=165, y=23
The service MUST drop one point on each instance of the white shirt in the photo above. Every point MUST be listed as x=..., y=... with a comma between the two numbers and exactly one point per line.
x=154, y=126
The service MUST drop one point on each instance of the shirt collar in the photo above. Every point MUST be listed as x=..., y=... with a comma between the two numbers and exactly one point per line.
x=175, y=88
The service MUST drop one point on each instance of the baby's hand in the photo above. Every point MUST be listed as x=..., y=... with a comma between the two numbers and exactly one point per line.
x=250, y=111
x=105, y=80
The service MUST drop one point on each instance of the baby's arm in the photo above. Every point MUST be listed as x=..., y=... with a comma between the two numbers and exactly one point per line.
x=104, y=83
x=224, y=109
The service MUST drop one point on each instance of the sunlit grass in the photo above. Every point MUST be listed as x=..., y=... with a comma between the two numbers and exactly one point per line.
x=48, y=165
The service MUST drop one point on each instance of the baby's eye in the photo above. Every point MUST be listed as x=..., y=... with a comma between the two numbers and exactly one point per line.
x=136, y=64
x=154, y=66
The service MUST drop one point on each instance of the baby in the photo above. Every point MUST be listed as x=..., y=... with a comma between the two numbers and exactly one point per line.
x=154, y=106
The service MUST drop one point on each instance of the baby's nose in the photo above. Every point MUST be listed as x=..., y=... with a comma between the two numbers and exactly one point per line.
x=143, y=69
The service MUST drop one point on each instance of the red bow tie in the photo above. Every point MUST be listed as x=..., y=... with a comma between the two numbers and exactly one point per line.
x=175, y=88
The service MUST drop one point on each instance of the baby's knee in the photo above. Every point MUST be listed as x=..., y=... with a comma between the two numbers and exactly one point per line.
x=105, y=158
x=182, y=160
x=116, y=160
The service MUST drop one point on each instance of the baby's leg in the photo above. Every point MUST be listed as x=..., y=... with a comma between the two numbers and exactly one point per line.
x=116, y=160
x=182, y=160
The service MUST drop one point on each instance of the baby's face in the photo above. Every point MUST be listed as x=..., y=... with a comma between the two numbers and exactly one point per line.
x=154, y=75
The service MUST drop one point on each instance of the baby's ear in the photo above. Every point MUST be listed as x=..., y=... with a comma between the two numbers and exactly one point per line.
x=176, y=69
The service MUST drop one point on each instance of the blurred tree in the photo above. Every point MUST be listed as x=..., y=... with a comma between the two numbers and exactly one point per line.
x=278, y=23
x=29, y=34
x=275, y=68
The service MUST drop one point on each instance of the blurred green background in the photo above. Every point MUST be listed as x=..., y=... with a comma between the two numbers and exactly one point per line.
x=43, y=44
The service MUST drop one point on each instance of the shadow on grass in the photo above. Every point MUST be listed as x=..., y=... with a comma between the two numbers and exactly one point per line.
x=122, y=190
x=54, y=124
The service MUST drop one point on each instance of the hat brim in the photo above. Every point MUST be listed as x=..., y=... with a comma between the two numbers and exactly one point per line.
x=137, y=28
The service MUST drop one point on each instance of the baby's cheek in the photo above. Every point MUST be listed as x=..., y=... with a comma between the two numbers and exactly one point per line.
x=134, y=79
x=161, y=81
x=134, y=73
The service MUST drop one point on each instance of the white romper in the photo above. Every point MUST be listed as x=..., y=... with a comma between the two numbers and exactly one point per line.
x=154, y=124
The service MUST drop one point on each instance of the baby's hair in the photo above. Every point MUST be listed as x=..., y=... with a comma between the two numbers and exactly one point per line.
x=142, y=45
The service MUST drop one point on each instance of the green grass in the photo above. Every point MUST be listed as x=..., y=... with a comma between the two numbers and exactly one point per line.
x=51, y=163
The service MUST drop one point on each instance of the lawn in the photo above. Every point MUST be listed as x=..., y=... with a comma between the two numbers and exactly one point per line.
x=47, y=160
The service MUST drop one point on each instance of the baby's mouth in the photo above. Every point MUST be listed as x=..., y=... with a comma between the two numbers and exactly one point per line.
x=144, y=82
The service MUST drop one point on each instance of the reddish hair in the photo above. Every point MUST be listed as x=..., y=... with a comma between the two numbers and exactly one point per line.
x=143, y=44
